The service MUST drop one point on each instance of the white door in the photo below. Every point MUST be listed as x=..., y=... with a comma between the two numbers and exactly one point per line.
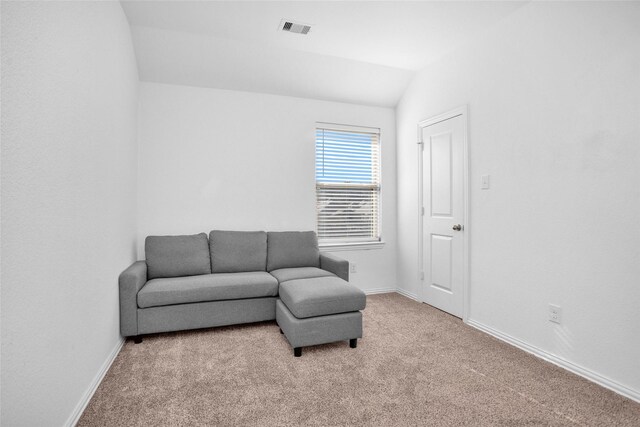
x=443, y=197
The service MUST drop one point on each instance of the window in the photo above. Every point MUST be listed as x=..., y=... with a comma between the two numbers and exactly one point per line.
x=347, y=184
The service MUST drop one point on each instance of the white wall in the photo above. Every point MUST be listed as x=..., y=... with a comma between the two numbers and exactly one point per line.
x=217, y=159
x=554, y=102
x=69, y=104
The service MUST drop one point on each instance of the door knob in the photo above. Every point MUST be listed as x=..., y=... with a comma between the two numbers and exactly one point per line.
x=457, y=227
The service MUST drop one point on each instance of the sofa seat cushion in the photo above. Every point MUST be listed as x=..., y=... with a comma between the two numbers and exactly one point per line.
x=210, y=287
x=177, y=256
x=321, y=296
x=286, y=274
x=238, y=251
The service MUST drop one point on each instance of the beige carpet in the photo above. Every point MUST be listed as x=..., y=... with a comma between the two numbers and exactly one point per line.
x=415, y=366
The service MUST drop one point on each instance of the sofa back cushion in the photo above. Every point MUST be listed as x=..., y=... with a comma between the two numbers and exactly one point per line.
x=289, y=249
x=238, y=251
x=175, y=256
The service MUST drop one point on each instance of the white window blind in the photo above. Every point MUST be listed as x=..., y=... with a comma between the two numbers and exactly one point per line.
x=347, y=184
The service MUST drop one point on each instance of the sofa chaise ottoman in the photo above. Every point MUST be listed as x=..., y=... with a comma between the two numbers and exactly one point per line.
x=315, y=305
x=232, y=277
x=319, y=310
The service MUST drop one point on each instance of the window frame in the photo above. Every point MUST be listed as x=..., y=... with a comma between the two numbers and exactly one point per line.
x=346, y=243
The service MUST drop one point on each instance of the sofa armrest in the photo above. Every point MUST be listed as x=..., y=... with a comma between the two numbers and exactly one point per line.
x=335, y=265
x=130, y=282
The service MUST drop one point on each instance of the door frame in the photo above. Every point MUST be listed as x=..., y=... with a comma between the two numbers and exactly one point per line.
x=464, y=112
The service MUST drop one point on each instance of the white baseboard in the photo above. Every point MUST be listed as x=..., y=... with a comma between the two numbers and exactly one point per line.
x=558, y=361
x=81, y=406
x=407, y=294
x=379, y=291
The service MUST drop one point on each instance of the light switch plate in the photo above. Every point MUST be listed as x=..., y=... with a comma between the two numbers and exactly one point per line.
x=484, y=182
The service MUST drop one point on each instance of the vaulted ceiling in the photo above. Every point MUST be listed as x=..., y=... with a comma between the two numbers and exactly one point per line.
x=357, y=52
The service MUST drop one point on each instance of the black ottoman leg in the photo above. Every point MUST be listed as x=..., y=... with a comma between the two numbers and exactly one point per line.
x=297, y=352
x=353, y=343
x=137, y=339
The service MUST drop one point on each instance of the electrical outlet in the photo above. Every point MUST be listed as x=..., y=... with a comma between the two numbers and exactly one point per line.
x=555, y=313
x=352, y=267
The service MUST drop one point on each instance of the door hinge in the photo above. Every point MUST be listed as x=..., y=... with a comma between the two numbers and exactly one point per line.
x=423, y=211
x=422, y=275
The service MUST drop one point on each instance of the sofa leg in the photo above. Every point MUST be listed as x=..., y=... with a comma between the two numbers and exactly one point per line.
x=281, y=331
x=353, y=343
x=297, y=352
x=137, y=339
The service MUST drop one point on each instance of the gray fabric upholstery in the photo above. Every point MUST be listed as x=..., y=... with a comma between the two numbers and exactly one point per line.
x=176, y=256
x=176, y=290
x=238, y=251
x=210, y=287
x=288, y=249
x=318, y=330
x=205, y=315
x=338, y=266
x=321, y=296
x=130, y=282
x=285, y=274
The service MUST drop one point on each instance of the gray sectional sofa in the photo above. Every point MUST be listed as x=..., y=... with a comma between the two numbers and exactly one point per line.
x=232, y=277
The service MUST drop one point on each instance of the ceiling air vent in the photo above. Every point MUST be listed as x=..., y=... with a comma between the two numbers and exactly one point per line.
x=294, y=27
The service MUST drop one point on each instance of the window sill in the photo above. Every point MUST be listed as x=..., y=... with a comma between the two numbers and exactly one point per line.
x=357, y=246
